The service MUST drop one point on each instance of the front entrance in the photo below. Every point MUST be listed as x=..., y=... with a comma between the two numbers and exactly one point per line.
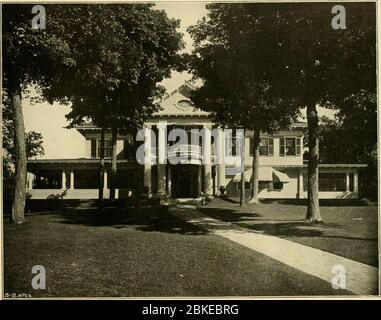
x=186, y=181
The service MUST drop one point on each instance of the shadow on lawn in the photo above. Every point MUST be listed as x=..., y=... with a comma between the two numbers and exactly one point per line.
x=282, y=229
x=150, y=219
x=303, y=202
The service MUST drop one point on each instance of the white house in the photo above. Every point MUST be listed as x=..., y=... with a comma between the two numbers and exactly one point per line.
x=282, y=172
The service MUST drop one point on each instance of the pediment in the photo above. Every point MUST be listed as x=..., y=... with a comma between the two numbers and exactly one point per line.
x=177, y=103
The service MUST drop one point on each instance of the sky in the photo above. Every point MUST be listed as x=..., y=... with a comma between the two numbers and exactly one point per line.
x=50, y=121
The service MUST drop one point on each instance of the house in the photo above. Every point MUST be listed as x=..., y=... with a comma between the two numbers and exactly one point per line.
x=210, y=164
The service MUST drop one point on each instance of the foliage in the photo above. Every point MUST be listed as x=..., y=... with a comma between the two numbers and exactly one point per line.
x=352, y=138
x=120, y=53
x=241, y=86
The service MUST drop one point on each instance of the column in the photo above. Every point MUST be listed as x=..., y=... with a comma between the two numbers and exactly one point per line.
x=207, y=161
x=161, y=165
x=63, y=180
x=355, y=181
x=147, y=160
x=105, y=180
x=199, y=180
x=71, y=179
x=347, y=181
x=30, y=180
x=300, y=184
x=220, y=159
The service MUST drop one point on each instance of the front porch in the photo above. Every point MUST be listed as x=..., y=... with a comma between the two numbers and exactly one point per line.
x=80, y=179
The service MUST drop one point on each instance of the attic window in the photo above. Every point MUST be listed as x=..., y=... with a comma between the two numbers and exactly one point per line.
x=184, y=104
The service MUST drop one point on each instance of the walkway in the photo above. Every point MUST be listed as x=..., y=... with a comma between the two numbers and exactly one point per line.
x=360, y=278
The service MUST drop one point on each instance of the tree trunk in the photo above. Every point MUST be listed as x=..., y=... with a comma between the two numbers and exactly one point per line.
x=313, y=210
x=18, y=206
x=242, y=200
x=101, y=169
x=255, y=167
x=113, y=163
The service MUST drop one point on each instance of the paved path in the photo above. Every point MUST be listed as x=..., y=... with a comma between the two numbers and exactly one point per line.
x=360, y=278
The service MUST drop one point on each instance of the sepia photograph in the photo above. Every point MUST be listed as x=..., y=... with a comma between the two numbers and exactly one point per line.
x=189, y=149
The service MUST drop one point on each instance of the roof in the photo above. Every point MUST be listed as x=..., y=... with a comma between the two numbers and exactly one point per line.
x=324, y=165
x=80, y=160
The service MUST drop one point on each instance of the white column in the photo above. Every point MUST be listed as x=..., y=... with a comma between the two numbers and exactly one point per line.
x=207, y=160
x=199, y=180
x=355, y=181
x=347, y=181
x=63, y=180
x=220, y=158
x=147, y=159
x=71, y=179
x=30, y=180
x=105, y=180
x=300, y=184
x=161, y=165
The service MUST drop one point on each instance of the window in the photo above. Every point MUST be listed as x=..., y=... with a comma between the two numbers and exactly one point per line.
x=129, y=149
x=351, y=181
x=332, y=181
x=93, y=148
x=266, y=147
x=231, y=147
x=264, y=185
x=107, y=149
x=277, y=185
x=289, y=146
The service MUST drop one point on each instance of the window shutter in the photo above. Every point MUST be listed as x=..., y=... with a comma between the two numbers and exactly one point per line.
x=93, y=148
x=271, y=147
x=281, y=147
x=298, y=149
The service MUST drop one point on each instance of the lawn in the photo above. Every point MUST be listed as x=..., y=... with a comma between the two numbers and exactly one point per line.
x=140, y=252
x=349, y=231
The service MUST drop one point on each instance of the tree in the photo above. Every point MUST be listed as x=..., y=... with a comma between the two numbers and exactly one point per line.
x=234, y=55
x=29, y=57
x=326, y=66
x=33, y=142
x=119, y=61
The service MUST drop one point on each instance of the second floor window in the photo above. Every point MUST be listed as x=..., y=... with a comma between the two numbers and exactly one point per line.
x=289, y=146
x=231, y=144
x=96, y=148
x=266, y=147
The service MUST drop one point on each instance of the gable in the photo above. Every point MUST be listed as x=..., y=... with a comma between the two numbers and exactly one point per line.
x=177, y=103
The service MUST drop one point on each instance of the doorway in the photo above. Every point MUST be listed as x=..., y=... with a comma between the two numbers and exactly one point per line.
x=186, y=180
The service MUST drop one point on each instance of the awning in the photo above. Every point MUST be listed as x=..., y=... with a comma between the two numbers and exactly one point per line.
x=280, y=176
x=265, y=174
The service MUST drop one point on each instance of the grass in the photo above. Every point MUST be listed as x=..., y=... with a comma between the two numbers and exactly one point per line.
x=140, y=252
x=349, y=231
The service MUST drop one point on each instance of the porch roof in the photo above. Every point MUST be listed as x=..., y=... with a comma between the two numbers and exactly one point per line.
x=321, y=165
x=49, y=164
x=80, y=160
